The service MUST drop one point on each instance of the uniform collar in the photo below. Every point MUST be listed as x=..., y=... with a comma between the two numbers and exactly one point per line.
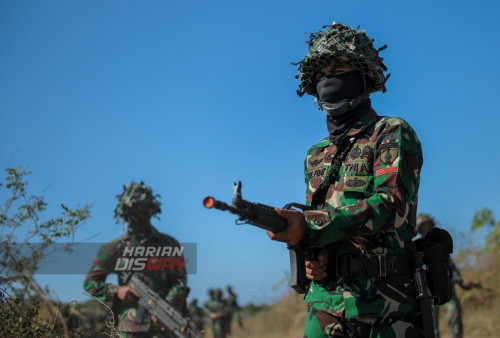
x=364, y=122
x=142, y=236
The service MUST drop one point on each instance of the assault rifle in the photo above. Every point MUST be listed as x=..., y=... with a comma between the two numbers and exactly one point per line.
x=264, y=216
x=473, y=285
x=157, y=306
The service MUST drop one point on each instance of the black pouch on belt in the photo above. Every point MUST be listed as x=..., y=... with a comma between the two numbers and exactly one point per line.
x=437, y=245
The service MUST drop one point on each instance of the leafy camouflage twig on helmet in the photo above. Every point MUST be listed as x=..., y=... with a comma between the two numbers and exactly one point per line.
x=424, y=218
x=340, y=45
x=134, y=194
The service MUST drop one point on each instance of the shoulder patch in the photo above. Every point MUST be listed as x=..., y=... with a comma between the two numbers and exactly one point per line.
x=388, y=153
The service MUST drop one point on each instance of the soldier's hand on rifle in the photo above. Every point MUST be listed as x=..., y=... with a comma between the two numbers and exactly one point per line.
x=157, y=323
x=467, y=285
x=127, y=294
x=295, y=230
x=316, y=270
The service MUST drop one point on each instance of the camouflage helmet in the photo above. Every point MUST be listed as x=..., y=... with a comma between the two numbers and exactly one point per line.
x=340, y=45
x=135, y=194
x=218, y=293
x=424, y=218
x=211, y=292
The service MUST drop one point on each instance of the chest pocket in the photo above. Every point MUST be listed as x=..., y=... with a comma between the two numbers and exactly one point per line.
x=357, y=169
x=318, y=165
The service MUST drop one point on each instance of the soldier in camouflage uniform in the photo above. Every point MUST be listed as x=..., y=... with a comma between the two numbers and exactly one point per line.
x=452, y=309
x=362, y=186
x=136, y=206
x=233, y=308
x=216, y=310
x=196, y=314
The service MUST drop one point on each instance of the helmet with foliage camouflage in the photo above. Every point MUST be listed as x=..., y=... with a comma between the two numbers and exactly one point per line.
x=136, y=194
x=340, y=45
x=218, y=293
x=424, y=218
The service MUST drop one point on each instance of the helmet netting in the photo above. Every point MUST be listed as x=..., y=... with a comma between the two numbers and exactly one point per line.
x=340, y=45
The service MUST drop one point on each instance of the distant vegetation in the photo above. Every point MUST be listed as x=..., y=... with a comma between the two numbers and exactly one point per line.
x=26, y=309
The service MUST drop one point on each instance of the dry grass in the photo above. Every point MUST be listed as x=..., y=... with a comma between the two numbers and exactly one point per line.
x=285, y=319
x=480, y=309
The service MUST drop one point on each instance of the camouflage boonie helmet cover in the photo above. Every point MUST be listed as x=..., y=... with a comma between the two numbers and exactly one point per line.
x=340, y=45
x=133, y=194
x=424, y=218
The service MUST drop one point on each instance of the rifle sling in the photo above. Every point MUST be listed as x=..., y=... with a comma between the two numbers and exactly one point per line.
x=319, y=197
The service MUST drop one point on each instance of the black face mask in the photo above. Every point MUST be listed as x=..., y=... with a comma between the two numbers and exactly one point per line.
x=338, y=87
x=338, y=90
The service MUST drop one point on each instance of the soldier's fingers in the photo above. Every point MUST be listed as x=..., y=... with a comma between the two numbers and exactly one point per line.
x=288, y=214
x=315, y=272
x=314, y=264
x=133, y=292
x=281, y=236
x=316, y=277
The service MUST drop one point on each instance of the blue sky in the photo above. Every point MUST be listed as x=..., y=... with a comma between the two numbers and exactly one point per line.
x=192, y=95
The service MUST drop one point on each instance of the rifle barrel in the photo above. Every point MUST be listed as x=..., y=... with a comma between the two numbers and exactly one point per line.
x=210, y=203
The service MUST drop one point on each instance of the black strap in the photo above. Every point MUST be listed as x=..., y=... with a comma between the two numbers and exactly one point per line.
x=369, y=265
x=319, y=196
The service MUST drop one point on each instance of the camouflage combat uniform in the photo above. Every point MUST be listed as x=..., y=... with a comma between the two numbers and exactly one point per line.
x=233, y=309
x=216, y=311
x=452, y=308
x=366, y=222
x=170, y=284
x=371, y=210
x=197, y=317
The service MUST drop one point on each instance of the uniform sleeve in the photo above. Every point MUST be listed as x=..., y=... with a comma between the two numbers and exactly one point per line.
x=396, y=175
x=177, y=293
x=456, y=278
x=95, y=282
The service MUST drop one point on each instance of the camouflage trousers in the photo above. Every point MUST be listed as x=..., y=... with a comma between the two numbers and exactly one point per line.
x=453, y=314
x=219, y=328
x=146, y=335
x=323, y=324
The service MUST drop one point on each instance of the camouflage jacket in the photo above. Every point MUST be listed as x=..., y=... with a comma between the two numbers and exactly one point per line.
x=196, y=314
x=172, y=285
x=215, y=306
x=370, y=209
x=456, y=278
x=232, y=302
